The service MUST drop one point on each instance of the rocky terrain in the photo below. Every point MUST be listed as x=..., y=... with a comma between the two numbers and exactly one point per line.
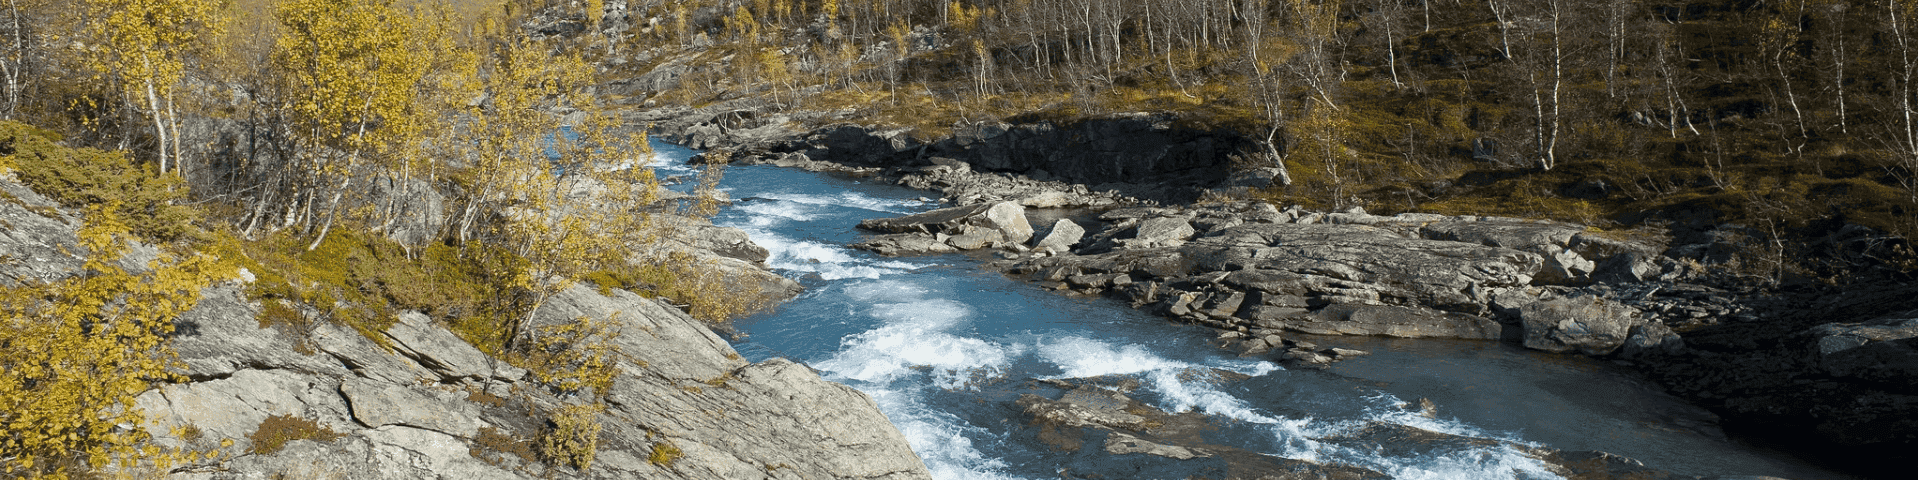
x=1817, y=368
x=322, y=400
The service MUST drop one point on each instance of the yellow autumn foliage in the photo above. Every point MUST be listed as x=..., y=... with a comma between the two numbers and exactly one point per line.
x=75, y=353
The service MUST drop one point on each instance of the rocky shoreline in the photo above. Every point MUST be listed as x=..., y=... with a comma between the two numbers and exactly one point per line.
x=1813, y=368
x=318, y=399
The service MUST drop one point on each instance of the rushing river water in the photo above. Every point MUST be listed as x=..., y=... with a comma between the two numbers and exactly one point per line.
x=945, y=348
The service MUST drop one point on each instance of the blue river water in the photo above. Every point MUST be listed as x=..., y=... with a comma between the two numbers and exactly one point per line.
x=945, y=348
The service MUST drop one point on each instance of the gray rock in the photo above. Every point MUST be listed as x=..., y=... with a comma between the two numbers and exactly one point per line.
x=904, y=244
x=378, y=404
x=1253, y=177
x=1085, y=407
x=233, y=407
x=1307, y=357
x=439, y=350
x=748, y=415
x=365, y=358
x=701, y=234
x=1064, y=234
x=1049, y=199
x=1159, y=232
x=1587, y=324
x=1254, y=347
x=221, y=336
x=418, y=210
x=1346, y=352
x=1837, y=337
x=387, y=453
x=1392, y=321
x=974, y=226
x=36, y=237
x=1121, y=444
x=1334, y=260
x=1650, y=339
x=1564, y=266
x=1883, y=351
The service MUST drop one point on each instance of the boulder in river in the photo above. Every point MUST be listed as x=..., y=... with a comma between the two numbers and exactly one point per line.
x=971, y=227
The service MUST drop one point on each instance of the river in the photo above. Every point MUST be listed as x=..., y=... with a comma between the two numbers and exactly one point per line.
x=945, y=348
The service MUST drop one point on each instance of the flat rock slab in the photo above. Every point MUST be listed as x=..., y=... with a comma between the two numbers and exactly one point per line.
x=1008, y=218
x=377, y=404
x=1390, y=321
x=1433, y=272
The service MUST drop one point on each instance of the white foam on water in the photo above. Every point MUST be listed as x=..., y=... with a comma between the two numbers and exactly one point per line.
x=779, y=212
x=828, y=261
x=913, y=335
x=1385, y=407
x=847, y=199
x=914, y=338
x=1182, y=386
x=1498, y=463
x=943, y=441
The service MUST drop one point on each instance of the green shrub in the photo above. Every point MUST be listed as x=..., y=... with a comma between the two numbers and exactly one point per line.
x=571, y=437
x=77, y=177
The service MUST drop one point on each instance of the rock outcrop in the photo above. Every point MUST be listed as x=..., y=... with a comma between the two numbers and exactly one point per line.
x=428, y=405
x=415, y=400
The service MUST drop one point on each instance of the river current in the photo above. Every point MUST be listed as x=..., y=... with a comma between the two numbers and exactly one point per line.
x=945, y=348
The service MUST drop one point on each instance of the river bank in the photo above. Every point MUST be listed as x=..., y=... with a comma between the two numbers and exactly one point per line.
x=1658, y=303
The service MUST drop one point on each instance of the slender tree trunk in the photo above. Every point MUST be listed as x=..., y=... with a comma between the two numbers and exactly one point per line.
x=1558, y=83
x=159, y=126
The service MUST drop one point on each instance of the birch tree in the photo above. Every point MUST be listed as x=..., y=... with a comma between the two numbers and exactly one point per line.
x=143, y=44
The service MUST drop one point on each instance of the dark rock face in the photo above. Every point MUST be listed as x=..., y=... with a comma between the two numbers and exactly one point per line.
x=1123, y=149
x=1824, y=370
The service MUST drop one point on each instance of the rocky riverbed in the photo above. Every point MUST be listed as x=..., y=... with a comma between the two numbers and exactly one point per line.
x=1811, y=367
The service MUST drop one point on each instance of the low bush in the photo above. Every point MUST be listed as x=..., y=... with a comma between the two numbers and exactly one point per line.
x=571, y=437
x=277, y=430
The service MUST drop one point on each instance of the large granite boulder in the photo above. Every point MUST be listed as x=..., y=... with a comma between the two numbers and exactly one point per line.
x=1586, y=324
x=1060, y=239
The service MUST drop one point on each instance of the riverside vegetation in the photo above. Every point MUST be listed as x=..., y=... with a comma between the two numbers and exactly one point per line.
x=359, y=159
x=349, y=161
x=1761, y=152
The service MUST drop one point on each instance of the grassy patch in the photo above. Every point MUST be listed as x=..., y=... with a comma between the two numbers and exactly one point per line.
x=501, y=442
x=277, y=430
